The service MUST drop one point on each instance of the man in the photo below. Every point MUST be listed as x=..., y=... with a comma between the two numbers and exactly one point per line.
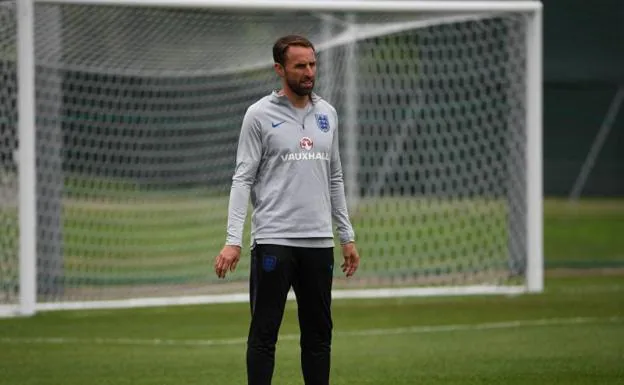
x=288, y=160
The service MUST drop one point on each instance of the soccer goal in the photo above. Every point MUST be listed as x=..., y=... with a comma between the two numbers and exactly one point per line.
x=119, y=122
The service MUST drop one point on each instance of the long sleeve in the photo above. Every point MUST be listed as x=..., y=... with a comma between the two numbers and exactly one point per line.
x=248, y=157
x=340, y=213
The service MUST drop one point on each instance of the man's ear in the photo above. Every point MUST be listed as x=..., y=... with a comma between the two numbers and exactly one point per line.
x=279, y=69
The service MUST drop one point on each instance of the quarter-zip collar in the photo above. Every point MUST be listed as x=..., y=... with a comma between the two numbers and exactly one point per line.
x=278, y=97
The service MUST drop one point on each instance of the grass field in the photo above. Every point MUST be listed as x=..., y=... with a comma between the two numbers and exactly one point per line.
x=167, y=240
x=573, y=333
x=142, y=242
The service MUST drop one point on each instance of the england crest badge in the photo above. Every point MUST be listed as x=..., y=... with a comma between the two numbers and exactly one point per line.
x=322, y=121
x=269, y=262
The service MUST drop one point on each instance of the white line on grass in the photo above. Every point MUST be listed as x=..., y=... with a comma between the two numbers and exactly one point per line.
x=291, y=337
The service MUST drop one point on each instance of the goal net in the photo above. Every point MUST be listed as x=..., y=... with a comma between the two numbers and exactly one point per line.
x=138, y=110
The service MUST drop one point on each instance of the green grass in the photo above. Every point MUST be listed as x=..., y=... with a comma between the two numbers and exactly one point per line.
x=186, y=229
x=169, y=238
x=587, y=234
x=572, y=334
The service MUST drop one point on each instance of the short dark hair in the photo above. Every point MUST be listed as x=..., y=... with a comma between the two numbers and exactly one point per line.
x=282, y=44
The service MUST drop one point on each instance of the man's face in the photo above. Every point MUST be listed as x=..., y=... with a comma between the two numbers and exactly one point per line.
x=299, y=70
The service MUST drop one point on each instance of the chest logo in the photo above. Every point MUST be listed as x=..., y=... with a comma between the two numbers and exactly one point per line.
x=306, y=143
x=322, y=121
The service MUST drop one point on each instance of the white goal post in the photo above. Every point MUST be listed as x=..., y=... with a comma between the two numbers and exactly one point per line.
x=121, y=119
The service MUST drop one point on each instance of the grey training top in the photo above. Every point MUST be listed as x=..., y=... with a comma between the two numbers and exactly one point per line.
x=288, y=161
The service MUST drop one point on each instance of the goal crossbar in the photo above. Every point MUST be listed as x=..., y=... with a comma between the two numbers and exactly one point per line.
x=324, y=5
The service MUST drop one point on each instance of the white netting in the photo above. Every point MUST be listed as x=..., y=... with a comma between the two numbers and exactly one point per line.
x=138, y=112
x=8, y=142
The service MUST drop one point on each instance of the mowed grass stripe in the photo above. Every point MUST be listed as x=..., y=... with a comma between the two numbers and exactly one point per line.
x=426, y=329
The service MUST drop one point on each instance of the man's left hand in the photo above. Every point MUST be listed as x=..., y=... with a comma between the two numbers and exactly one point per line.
x=351, y=259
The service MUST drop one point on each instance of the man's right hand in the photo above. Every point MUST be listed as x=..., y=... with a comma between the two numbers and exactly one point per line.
x=227, y=260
